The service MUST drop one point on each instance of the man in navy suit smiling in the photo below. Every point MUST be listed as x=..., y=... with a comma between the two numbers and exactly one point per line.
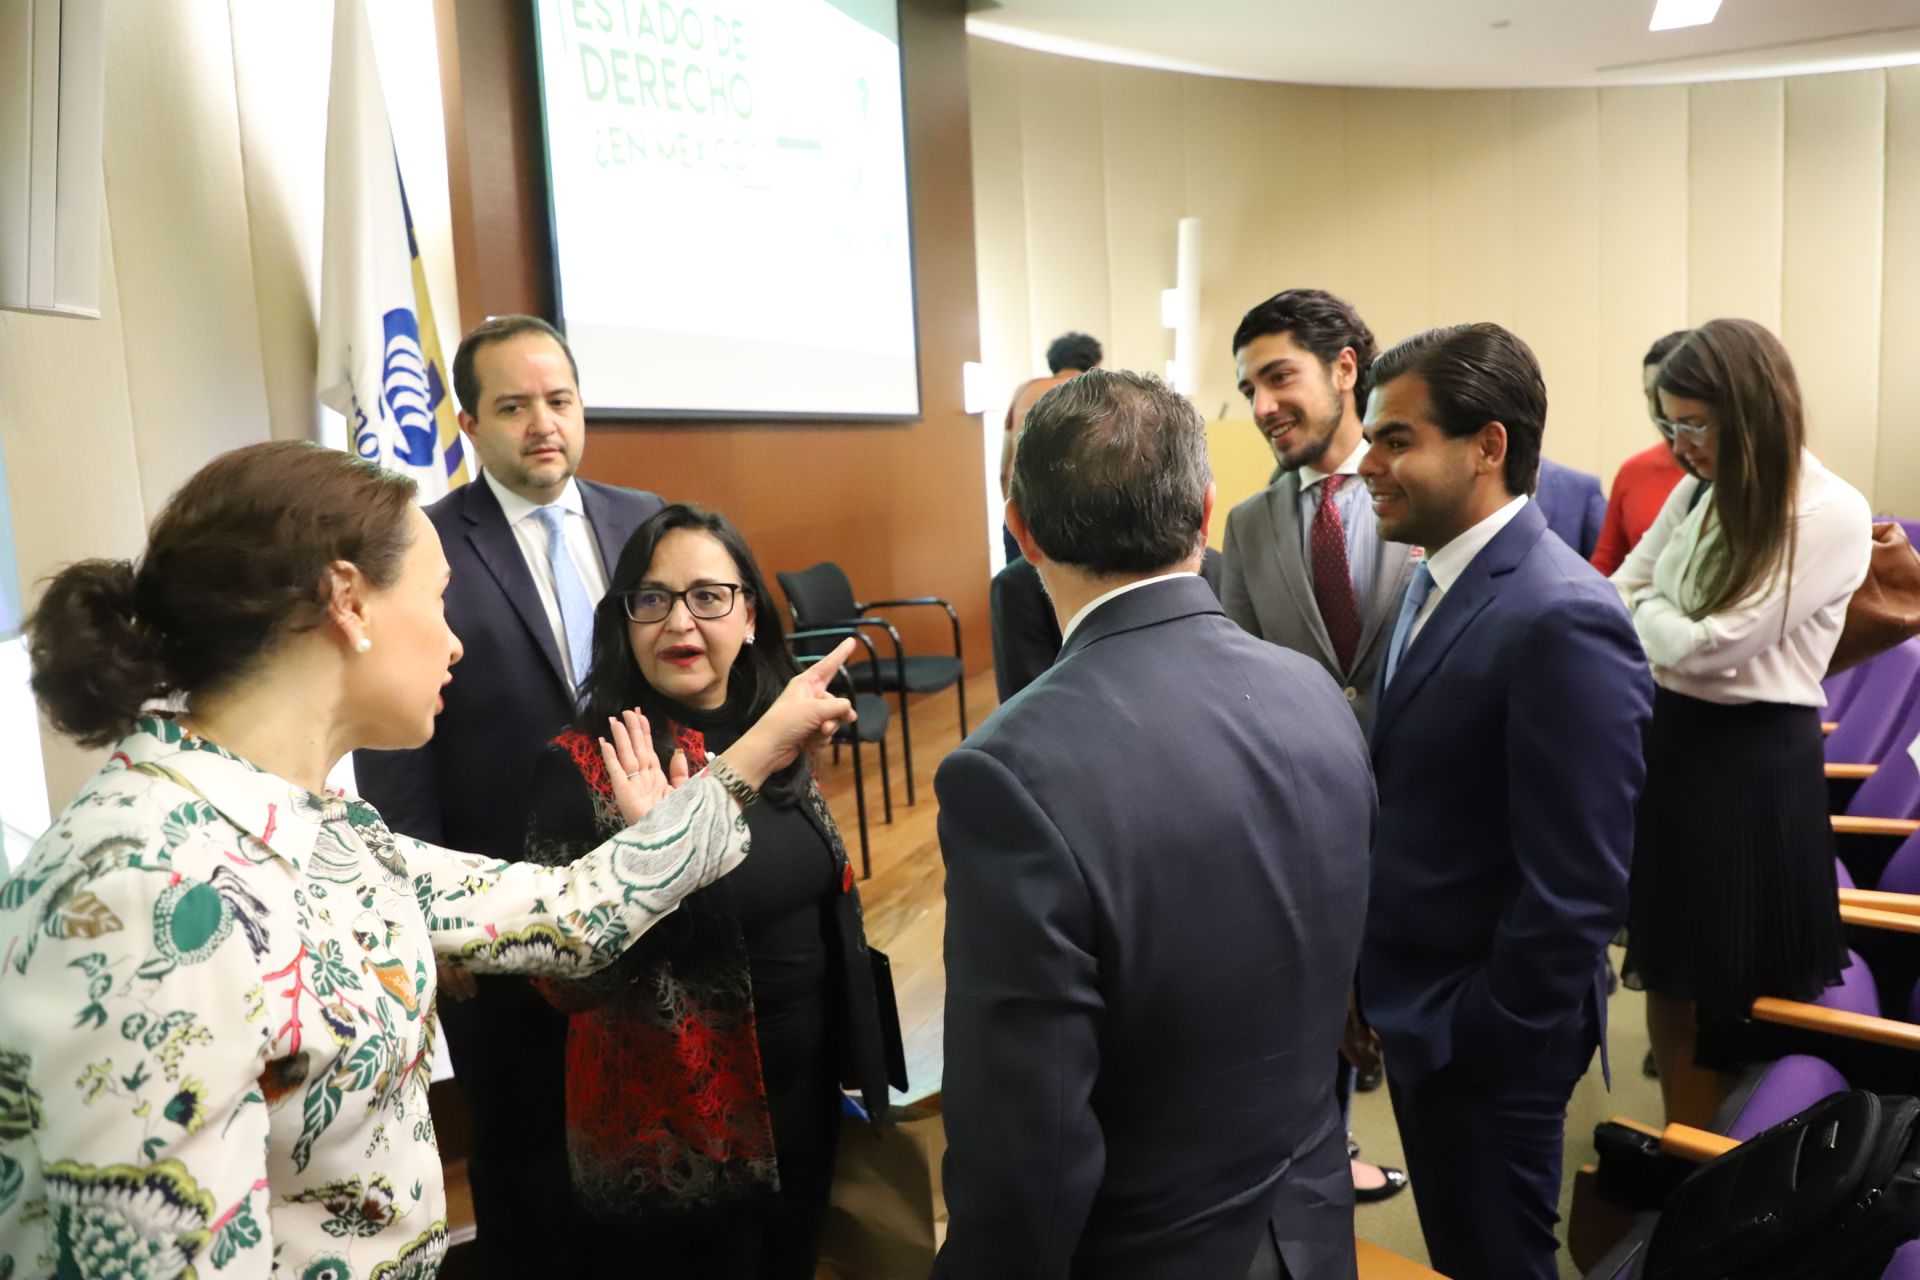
x=1507, y=752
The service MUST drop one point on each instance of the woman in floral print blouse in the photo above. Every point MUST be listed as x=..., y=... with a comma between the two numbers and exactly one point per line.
x=216, y=980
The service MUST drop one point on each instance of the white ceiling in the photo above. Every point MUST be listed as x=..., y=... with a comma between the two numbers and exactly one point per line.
x=1454, y=44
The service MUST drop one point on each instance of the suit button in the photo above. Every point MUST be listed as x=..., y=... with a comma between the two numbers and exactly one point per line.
x=1351, y=693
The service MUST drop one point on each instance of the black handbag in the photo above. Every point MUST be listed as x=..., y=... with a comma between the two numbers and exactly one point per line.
x=1828, y=1194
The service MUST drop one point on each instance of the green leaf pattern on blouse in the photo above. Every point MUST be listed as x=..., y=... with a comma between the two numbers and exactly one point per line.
x=216, y=997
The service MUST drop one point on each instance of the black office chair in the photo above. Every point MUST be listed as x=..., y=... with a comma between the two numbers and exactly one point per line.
x=822, y=597
x=870, y=726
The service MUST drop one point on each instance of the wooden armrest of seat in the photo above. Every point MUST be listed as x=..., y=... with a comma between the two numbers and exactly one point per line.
x=1689, y=1143
x=1383, y=1264
x=1851, y=771
x=1879, y=901
x=1854, y=1026
x=1878, y=917
x=1828, y=726
x=1845, y=824
x=1682, y=1140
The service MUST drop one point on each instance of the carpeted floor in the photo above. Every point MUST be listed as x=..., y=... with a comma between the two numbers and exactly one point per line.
x=1395, y=1225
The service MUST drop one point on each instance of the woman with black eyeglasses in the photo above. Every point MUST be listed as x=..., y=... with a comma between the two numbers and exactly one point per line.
x=704, y=1070
x=1738, y=592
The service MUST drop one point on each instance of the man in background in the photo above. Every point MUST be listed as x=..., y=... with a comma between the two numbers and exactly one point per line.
x=1507, y=750
x=529, y=546
x=1068, y=356
x=1571, y=501
x=1641, y=486
x=1156, y=860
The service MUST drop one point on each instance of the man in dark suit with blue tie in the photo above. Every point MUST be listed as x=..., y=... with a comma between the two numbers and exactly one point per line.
x=1156, y=876
x=529, y=546
x=1507, y=752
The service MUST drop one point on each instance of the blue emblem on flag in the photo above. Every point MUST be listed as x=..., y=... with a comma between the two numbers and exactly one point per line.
x=411, y=394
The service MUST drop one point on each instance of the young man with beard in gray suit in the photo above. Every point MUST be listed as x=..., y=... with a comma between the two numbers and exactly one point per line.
x=1304, y=565
x=1156, y=856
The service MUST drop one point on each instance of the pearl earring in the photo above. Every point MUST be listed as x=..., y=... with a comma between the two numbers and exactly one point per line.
x=362, y=645
x=749, y=637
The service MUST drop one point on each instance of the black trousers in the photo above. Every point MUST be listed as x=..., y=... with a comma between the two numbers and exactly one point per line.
x=1485, y=1163
x=509, y=1050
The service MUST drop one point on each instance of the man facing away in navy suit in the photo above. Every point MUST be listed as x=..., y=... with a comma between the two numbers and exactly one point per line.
x=1156, y=878
x=1507, y=752
x=529, y=546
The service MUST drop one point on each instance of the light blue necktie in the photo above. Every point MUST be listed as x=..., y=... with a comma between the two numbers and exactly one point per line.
x=576, y=606
x=1419, y=587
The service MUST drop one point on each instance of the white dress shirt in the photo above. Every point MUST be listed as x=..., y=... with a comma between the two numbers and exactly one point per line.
x=1774, y=645
x=531, y=533
x=1449, y=562
x=1074, y=622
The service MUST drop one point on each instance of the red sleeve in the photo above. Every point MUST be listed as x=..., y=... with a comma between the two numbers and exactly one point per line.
x=1610, y=551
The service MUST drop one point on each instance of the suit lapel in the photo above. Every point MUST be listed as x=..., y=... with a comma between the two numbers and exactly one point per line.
x=1458, y=607
x=1393, y=565
x=1290, y=562
x=600, y=518
x=493, y=541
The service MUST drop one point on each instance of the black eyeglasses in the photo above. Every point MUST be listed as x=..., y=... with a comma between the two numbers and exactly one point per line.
x=705, y=600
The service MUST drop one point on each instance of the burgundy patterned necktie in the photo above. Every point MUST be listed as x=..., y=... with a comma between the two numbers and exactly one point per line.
x=1332, y=578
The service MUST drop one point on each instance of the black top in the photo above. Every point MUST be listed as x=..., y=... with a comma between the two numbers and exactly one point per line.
x=781, y=895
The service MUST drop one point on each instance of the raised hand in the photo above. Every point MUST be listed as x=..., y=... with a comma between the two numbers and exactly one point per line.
x=804, y=715
x=638, y=782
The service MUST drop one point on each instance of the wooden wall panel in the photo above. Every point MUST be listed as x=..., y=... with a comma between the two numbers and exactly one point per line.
x=900, y=506
x=1232, y=186
x=1556, y=166
x=1830, y=279
x=1309, y=232
x=1736, y=156
x=1388, y=204
x=1897, y=472
x=1000, y=222
x=1145, y=195
x=1643, y=256
x=1064, y=182
x=1473, y=207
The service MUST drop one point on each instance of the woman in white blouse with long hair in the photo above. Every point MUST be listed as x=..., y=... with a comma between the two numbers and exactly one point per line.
x=1738, y=593
x=216, y=979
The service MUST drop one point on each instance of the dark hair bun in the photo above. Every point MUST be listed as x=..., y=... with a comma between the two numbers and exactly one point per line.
x=94, y=664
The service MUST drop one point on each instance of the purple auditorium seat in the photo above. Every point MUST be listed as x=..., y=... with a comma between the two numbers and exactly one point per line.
x=1894, y=789
x=1790, y=1086
x=1903, y=868
x=1880, y=709
x=1842, y=875
x=1841, y=688
x=1855, y=992
x=1905, y=1264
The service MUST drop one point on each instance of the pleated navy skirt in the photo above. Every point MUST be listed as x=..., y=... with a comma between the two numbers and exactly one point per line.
x=1733, y=894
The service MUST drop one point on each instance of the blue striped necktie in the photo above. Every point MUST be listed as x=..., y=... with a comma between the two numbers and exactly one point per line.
x=576, y=606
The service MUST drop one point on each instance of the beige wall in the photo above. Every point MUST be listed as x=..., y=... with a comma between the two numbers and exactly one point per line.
x=214, y=137
x=1590, y=221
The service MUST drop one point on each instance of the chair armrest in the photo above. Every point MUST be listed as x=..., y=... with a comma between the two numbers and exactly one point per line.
x=1845, y=824
x=1682, y=1140
x=827, y=633
x=1880, y=902
x=952, y=617
x=1852, y=771
x=1689, y=1143
x=1828, y=726
x=1878, y=918
x=1853, y=1026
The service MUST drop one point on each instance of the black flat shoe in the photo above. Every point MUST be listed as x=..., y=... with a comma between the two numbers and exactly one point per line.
x=1396, y=1182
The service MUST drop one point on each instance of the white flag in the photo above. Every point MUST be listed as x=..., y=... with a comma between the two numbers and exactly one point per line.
x=380, y=363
